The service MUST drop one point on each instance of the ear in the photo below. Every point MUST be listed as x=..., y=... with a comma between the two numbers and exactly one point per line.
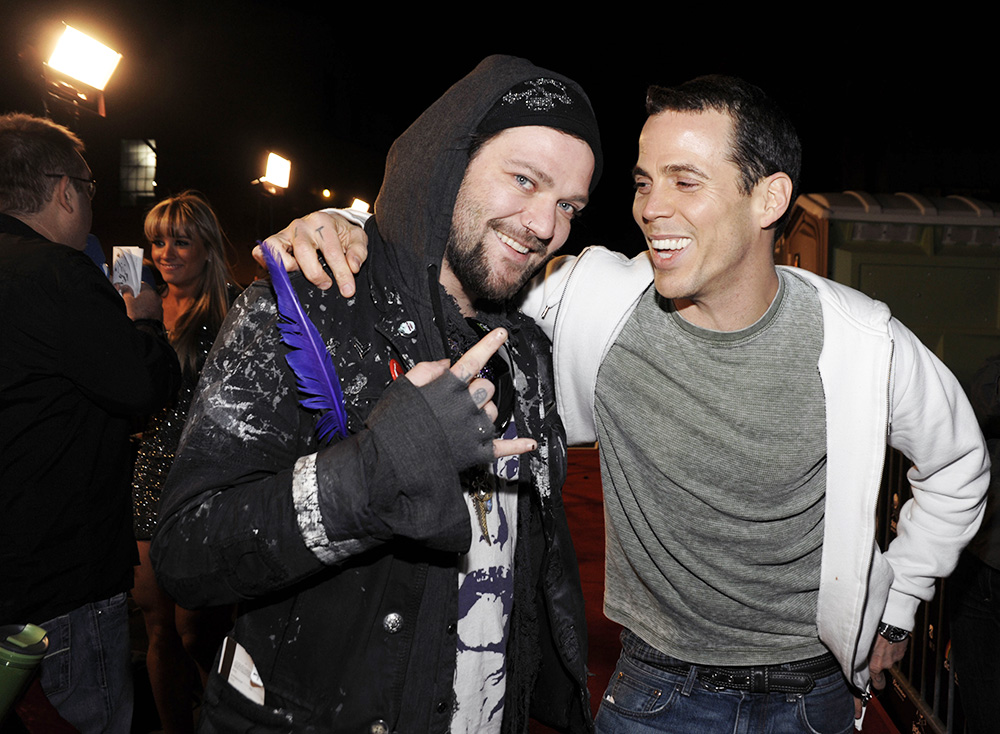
x=63, y=197
x=776, y=197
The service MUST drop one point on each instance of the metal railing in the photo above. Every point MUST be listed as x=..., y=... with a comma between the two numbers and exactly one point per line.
x=921, y=697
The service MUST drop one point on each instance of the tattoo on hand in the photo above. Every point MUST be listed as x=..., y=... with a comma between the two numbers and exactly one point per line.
x=479, y=396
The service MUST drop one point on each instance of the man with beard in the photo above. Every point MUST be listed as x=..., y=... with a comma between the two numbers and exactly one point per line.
x=417, y=575
x=743, y=413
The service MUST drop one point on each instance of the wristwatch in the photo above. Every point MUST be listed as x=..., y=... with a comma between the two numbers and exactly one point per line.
x=892, y=634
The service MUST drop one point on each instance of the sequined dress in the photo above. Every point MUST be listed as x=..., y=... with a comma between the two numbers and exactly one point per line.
x=159, y=442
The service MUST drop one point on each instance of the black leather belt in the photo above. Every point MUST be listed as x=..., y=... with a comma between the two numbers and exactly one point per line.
x=798, y=677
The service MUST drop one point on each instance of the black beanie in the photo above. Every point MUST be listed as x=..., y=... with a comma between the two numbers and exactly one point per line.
x=548, y=103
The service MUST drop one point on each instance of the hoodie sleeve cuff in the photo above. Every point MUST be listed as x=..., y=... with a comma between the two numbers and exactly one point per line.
x=900, y=610
x=305, y=498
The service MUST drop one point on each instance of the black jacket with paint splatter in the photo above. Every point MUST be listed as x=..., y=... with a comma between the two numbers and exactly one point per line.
x=343, y=558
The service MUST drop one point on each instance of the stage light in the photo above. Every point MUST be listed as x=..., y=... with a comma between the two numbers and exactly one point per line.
x=278, y=171
x=360, y=205
x=77, y=72
x=84, y=59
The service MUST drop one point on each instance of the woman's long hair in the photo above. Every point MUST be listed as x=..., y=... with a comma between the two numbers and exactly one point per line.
x=187, y=214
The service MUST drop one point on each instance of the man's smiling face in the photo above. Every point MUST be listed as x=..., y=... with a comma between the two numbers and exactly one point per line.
x=700, y=226
x=518, y=198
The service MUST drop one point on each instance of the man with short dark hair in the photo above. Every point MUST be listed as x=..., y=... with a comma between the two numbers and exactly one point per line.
x=78, y=364
x=743, y=413
x=415, y=575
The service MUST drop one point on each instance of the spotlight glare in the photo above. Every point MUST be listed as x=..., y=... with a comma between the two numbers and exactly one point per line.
x=83, y=58
x=278, y=171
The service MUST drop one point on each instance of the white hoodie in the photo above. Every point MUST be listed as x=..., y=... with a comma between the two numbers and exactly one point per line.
x=882, y=387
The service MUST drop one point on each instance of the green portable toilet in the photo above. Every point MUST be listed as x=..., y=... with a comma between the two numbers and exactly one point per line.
x=934, y=260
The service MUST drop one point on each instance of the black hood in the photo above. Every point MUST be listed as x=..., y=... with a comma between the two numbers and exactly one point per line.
x=427, y=162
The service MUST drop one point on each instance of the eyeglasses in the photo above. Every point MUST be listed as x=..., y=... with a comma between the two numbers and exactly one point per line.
x=91, y=183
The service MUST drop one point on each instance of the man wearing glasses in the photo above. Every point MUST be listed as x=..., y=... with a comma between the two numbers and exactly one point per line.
x=78, y=362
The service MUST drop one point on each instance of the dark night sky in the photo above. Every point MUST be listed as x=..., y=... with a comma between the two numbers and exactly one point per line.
x=218, y=82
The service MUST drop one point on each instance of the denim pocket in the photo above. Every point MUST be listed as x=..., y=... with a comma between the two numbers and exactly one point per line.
x=55, y=672
x=634, y=696
x=829, y=707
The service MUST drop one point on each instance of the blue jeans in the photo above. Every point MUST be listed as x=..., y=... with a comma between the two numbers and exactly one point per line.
x=642, y=699
x=87, y=672
x=974, y=605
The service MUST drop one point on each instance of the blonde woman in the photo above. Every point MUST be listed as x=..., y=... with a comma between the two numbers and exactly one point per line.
x=187, y=247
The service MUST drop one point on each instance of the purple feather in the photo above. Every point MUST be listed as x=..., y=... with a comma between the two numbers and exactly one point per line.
x=308, y=357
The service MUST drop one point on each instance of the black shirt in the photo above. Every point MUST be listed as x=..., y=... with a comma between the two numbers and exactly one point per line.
x=74, y=371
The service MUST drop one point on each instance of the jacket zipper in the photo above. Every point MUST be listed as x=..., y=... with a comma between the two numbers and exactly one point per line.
x=562, y=287
x=871, y=552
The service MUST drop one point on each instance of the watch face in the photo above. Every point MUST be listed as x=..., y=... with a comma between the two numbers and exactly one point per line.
x=892, y=634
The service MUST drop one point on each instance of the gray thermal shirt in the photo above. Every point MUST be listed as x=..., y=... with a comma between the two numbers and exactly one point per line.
x=714, y=471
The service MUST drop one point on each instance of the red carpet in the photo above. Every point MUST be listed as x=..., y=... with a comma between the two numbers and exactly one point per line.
x=585, y=514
